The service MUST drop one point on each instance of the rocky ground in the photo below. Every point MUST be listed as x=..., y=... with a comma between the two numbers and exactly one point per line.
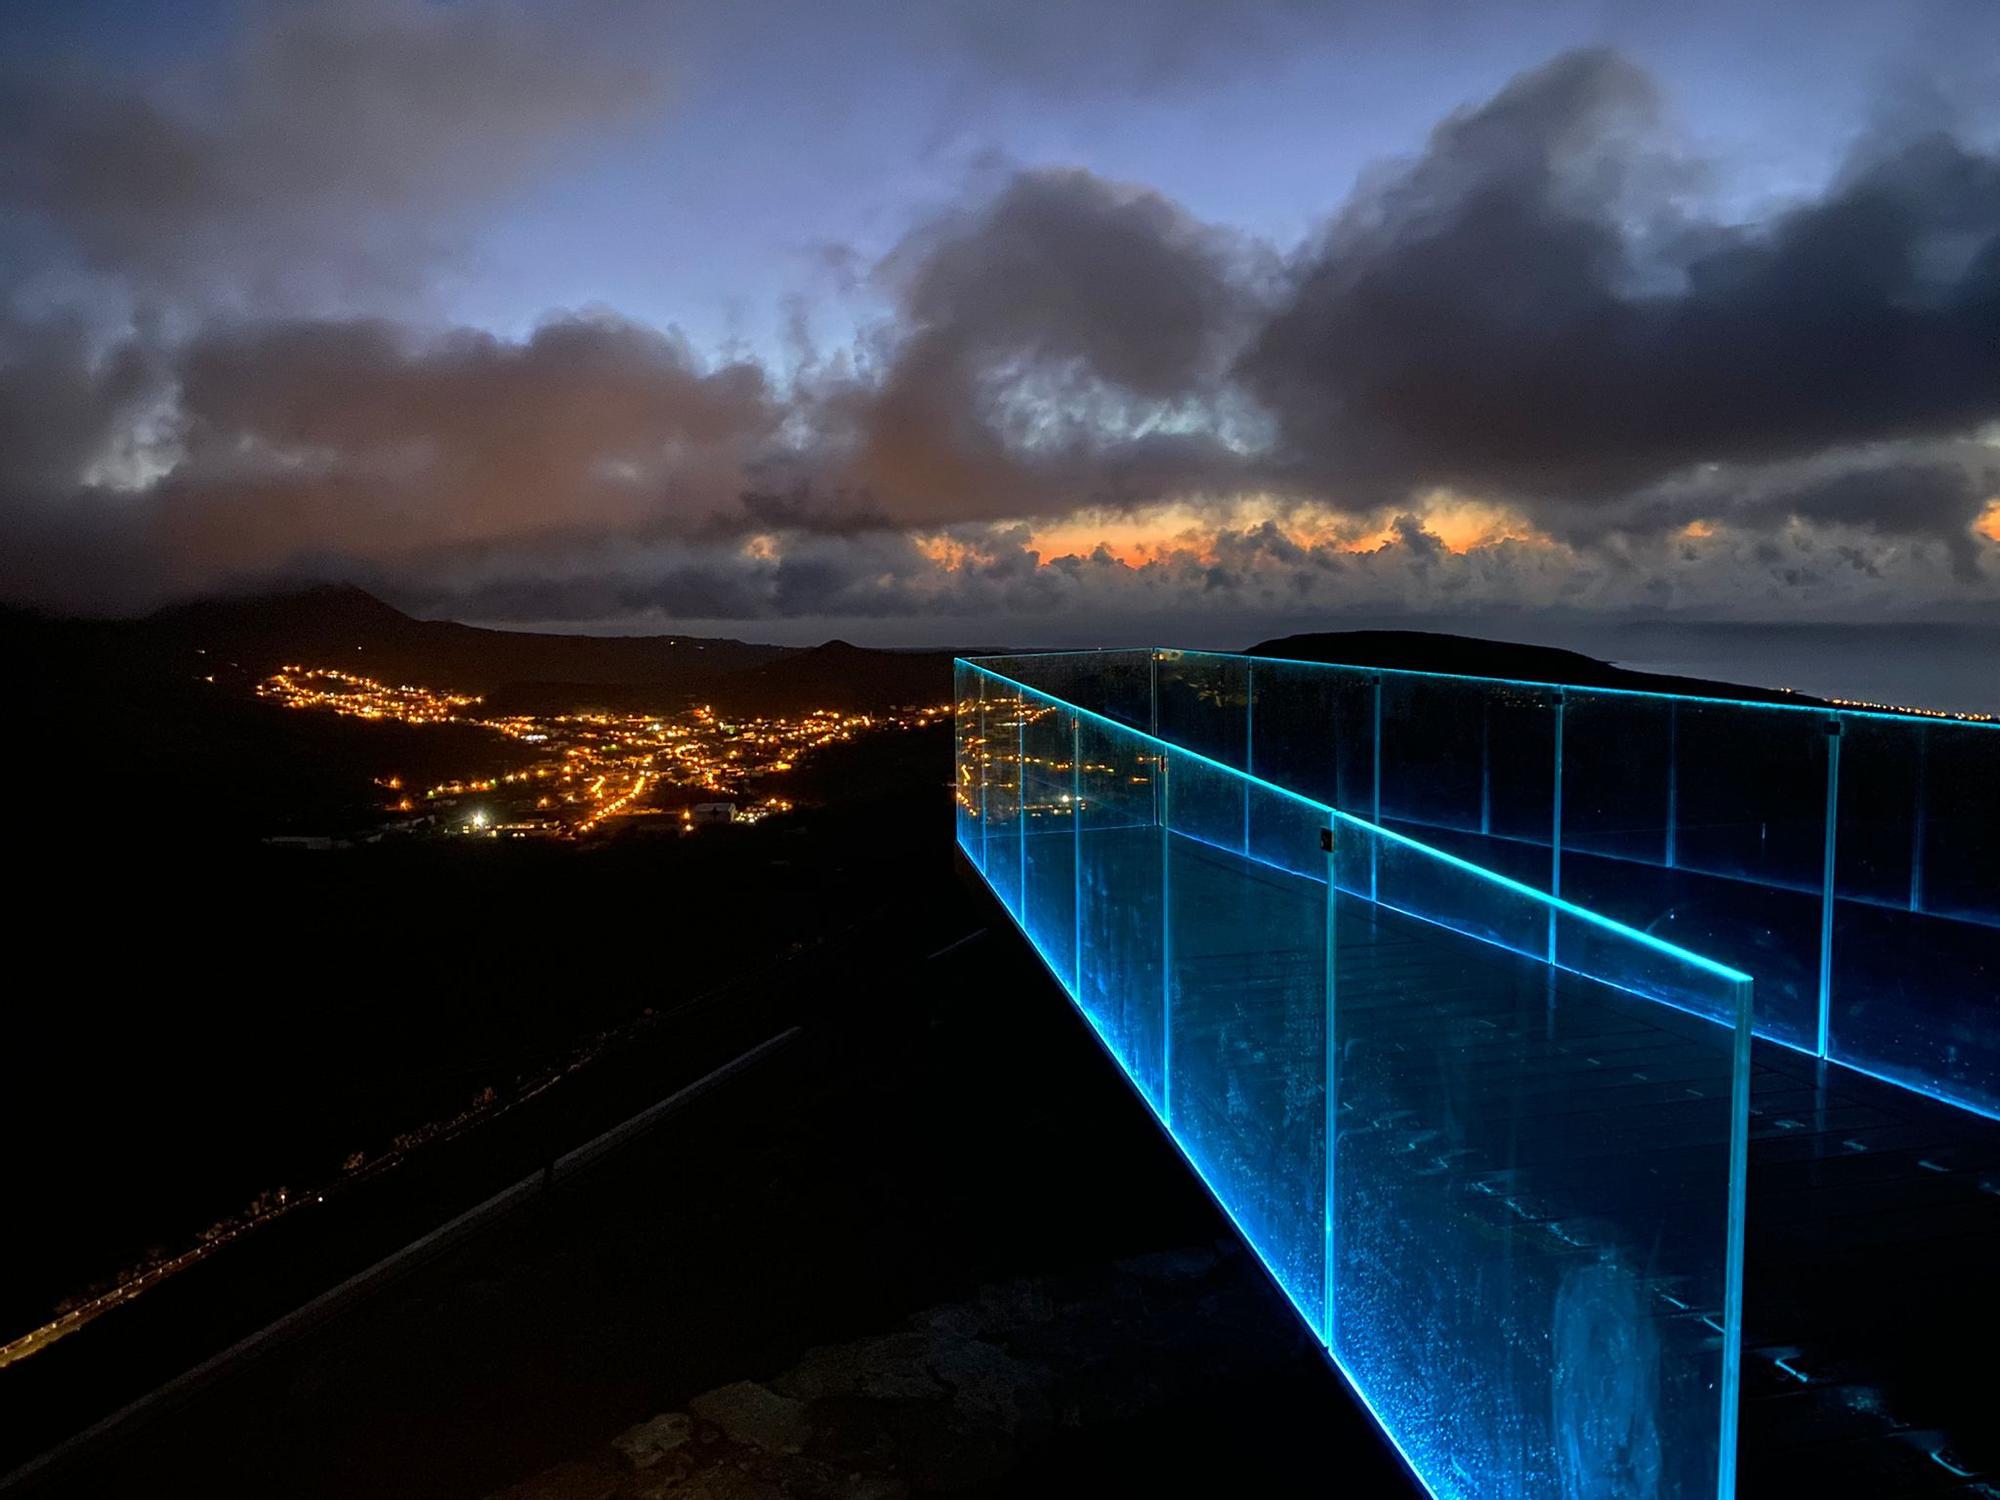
x=962, y=1396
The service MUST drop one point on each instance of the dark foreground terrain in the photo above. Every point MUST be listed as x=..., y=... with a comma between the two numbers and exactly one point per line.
x=929, y=1244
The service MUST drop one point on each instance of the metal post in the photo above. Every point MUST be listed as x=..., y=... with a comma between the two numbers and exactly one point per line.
x=1556, y=825
x=1375, y=798
x=985, y=757
x=1021, y=799
x=1920, y=801
x=1375, y=758
x=1673, y=782
x=1485, y=766
x=1733, y=1269
x=1329, y=1330
x=1076, y=843
x=1166, y=947
x=1153, y=692
x=1153, y=726
x=1827, y=885
x=1249, y=742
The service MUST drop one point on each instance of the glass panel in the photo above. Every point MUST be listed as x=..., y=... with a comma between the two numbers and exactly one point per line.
x=1752, y=793
x=1961, y=858
x=1538, y=1182
x=1916, y=1000
x=1314, y=730
x=1415, y=879
x=1747, y=787
x=1002, y=728
x=1048, y=830
x=1917, y=873
x=1884, y=775
x=1432, y=752
x=1246, y=1072
x=965, y=758
x=1468, y=764
x=1121, y=902
x=1204, y=704
x=1117, y=684
x=1618, y=775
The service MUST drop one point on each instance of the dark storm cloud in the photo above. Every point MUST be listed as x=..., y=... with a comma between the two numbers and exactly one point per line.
x=67, y=408
x=1899, y=500
x=62, y=404
x=1529, y=313
x=1527, y=309
x=326, y=144
x=369, y=438
x=1046, y=339
x=1063, y=267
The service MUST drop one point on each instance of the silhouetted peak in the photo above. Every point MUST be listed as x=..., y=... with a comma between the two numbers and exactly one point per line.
x=1475, y=656
x=1436, y=651
x=339, y=604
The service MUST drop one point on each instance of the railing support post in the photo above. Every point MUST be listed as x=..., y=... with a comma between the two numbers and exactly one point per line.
x=1919, y=800
x=1556, y=823
x=1375, y=796
x=1153, y=726
x=1076, y=844
x=1733, y=1268
x=1329, y=1326
x=1166, y=944
x=1673, y=782
x=1021, y=799
x=1833, y=737
x=1485, y=766
x=985, y=759
x=1249, y=742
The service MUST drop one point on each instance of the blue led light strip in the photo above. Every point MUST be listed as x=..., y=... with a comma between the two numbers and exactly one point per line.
x=1374, y=830
x=1334, y=666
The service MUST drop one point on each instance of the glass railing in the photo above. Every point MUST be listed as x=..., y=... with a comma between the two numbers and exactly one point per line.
x=1490, y=1145
x=1849, y=860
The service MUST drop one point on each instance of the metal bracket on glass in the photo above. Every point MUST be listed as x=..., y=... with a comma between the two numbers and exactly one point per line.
x=1326, y=840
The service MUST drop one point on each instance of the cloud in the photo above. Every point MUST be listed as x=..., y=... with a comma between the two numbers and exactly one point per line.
x=1904, y=500
x=63, y=404
x=1532, y=310
x=994, y=575
x=356, y=436
x=1523, y=370
x=1062, y=339
x=324, y=149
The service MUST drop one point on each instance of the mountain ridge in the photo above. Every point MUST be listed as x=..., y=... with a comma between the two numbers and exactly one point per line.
x=1514, y=661
x=343, y=625
x=339, y=623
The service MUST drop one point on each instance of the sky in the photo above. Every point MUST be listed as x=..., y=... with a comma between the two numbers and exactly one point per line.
x=957, y=321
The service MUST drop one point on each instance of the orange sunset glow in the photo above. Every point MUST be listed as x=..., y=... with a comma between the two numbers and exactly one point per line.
x=1138, y=537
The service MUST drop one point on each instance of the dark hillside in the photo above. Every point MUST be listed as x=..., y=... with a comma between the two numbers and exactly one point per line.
x=1435, y=651
x=836, y=675
x=115, y=748
x=340, y=625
